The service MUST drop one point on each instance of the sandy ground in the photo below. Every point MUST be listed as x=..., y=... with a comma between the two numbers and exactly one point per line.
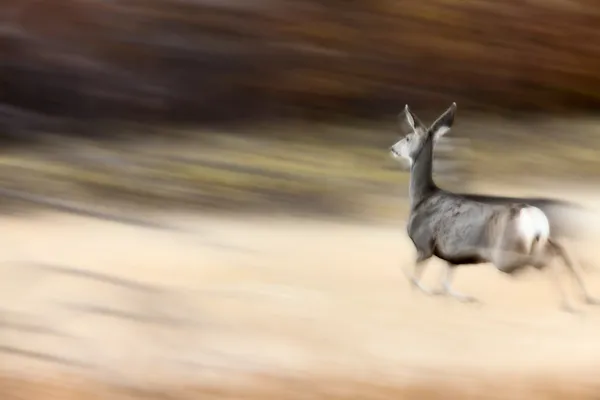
x=226, y=297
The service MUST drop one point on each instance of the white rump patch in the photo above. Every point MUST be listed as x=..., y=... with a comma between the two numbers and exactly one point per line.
x=533, y=224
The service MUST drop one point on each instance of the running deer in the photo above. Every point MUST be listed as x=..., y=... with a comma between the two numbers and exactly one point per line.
x=461, y=230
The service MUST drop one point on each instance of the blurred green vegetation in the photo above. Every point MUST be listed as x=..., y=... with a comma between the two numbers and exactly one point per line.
x=334, y=170
x=228, y=172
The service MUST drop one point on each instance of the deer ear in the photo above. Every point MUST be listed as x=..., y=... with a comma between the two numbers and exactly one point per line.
x=443, y=124
x=411, y=119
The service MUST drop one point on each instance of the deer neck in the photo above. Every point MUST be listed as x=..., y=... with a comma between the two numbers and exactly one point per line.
x=421, y=177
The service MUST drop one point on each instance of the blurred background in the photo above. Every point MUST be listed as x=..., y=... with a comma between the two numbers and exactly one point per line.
x=189, y=175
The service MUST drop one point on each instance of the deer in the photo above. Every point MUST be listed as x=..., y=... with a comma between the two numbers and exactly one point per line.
x=462, y=230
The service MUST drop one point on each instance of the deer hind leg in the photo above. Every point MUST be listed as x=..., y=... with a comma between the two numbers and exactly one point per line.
x=565, y=303
x=511, y=263
x=575, y=269
x=547, y=258
x=447, y=286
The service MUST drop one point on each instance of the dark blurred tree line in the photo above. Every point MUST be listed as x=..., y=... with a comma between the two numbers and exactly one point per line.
x=230, y=60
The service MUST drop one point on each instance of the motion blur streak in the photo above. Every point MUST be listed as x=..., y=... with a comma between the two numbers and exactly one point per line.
x=198, y=198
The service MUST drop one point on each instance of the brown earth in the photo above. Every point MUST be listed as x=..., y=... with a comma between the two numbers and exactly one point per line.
x=320, y=307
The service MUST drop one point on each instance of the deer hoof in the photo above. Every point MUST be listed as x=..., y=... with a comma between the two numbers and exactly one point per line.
x=592, y=300
x=470, y=299
x=569, y=308
x=464, y=298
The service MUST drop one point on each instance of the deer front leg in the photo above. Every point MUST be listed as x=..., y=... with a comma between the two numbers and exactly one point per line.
x=447, y=286
x=420, y=264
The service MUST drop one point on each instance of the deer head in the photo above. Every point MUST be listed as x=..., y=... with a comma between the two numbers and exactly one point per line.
x=410, y=146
